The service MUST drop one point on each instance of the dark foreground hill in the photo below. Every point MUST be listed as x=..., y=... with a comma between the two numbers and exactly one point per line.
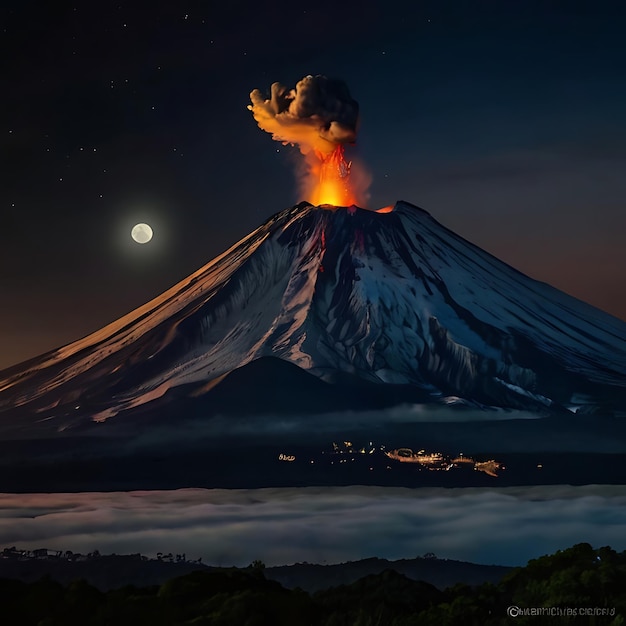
x=578, y=585
x=114, y=571
x=440, y=573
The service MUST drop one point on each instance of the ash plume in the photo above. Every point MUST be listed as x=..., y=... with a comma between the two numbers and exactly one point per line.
x=320, y=117
x=318, y=114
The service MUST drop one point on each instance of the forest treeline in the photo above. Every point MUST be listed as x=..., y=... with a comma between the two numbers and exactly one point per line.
x=580, y=585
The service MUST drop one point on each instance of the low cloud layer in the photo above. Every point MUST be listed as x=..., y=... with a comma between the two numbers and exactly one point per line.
x=469, y=429
x=233, y=527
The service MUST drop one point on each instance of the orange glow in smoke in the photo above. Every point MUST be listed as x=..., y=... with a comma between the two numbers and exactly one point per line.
x=331, y=175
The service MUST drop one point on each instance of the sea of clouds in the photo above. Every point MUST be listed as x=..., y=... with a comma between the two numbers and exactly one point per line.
x=506, y=526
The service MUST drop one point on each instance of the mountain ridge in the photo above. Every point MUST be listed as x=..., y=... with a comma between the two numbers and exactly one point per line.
x=108, y=572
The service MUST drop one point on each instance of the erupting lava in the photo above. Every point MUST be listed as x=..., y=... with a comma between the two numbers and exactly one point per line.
x=331, y=178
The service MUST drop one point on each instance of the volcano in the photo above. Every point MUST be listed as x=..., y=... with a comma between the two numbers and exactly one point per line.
x=334, y=307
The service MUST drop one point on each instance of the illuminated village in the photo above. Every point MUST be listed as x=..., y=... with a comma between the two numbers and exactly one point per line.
x=347, y=452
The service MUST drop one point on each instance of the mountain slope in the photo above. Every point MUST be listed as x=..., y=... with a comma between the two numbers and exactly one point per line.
x=384, y=297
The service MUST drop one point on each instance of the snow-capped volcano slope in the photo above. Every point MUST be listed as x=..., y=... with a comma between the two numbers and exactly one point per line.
x=387, y=297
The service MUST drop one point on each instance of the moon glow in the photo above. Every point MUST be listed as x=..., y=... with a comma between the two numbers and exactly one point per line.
x=141, y=233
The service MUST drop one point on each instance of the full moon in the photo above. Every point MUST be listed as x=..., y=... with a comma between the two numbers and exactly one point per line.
x=141, y=233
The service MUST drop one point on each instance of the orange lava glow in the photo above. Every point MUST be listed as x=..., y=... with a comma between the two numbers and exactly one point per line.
x=385, y=209
x=331, y=173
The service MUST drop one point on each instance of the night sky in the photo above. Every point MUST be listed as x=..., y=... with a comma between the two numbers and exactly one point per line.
x=506, y=120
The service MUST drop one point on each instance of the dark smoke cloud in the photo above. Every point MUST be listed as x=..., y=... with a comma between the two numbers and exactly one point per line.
x=318, y=114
